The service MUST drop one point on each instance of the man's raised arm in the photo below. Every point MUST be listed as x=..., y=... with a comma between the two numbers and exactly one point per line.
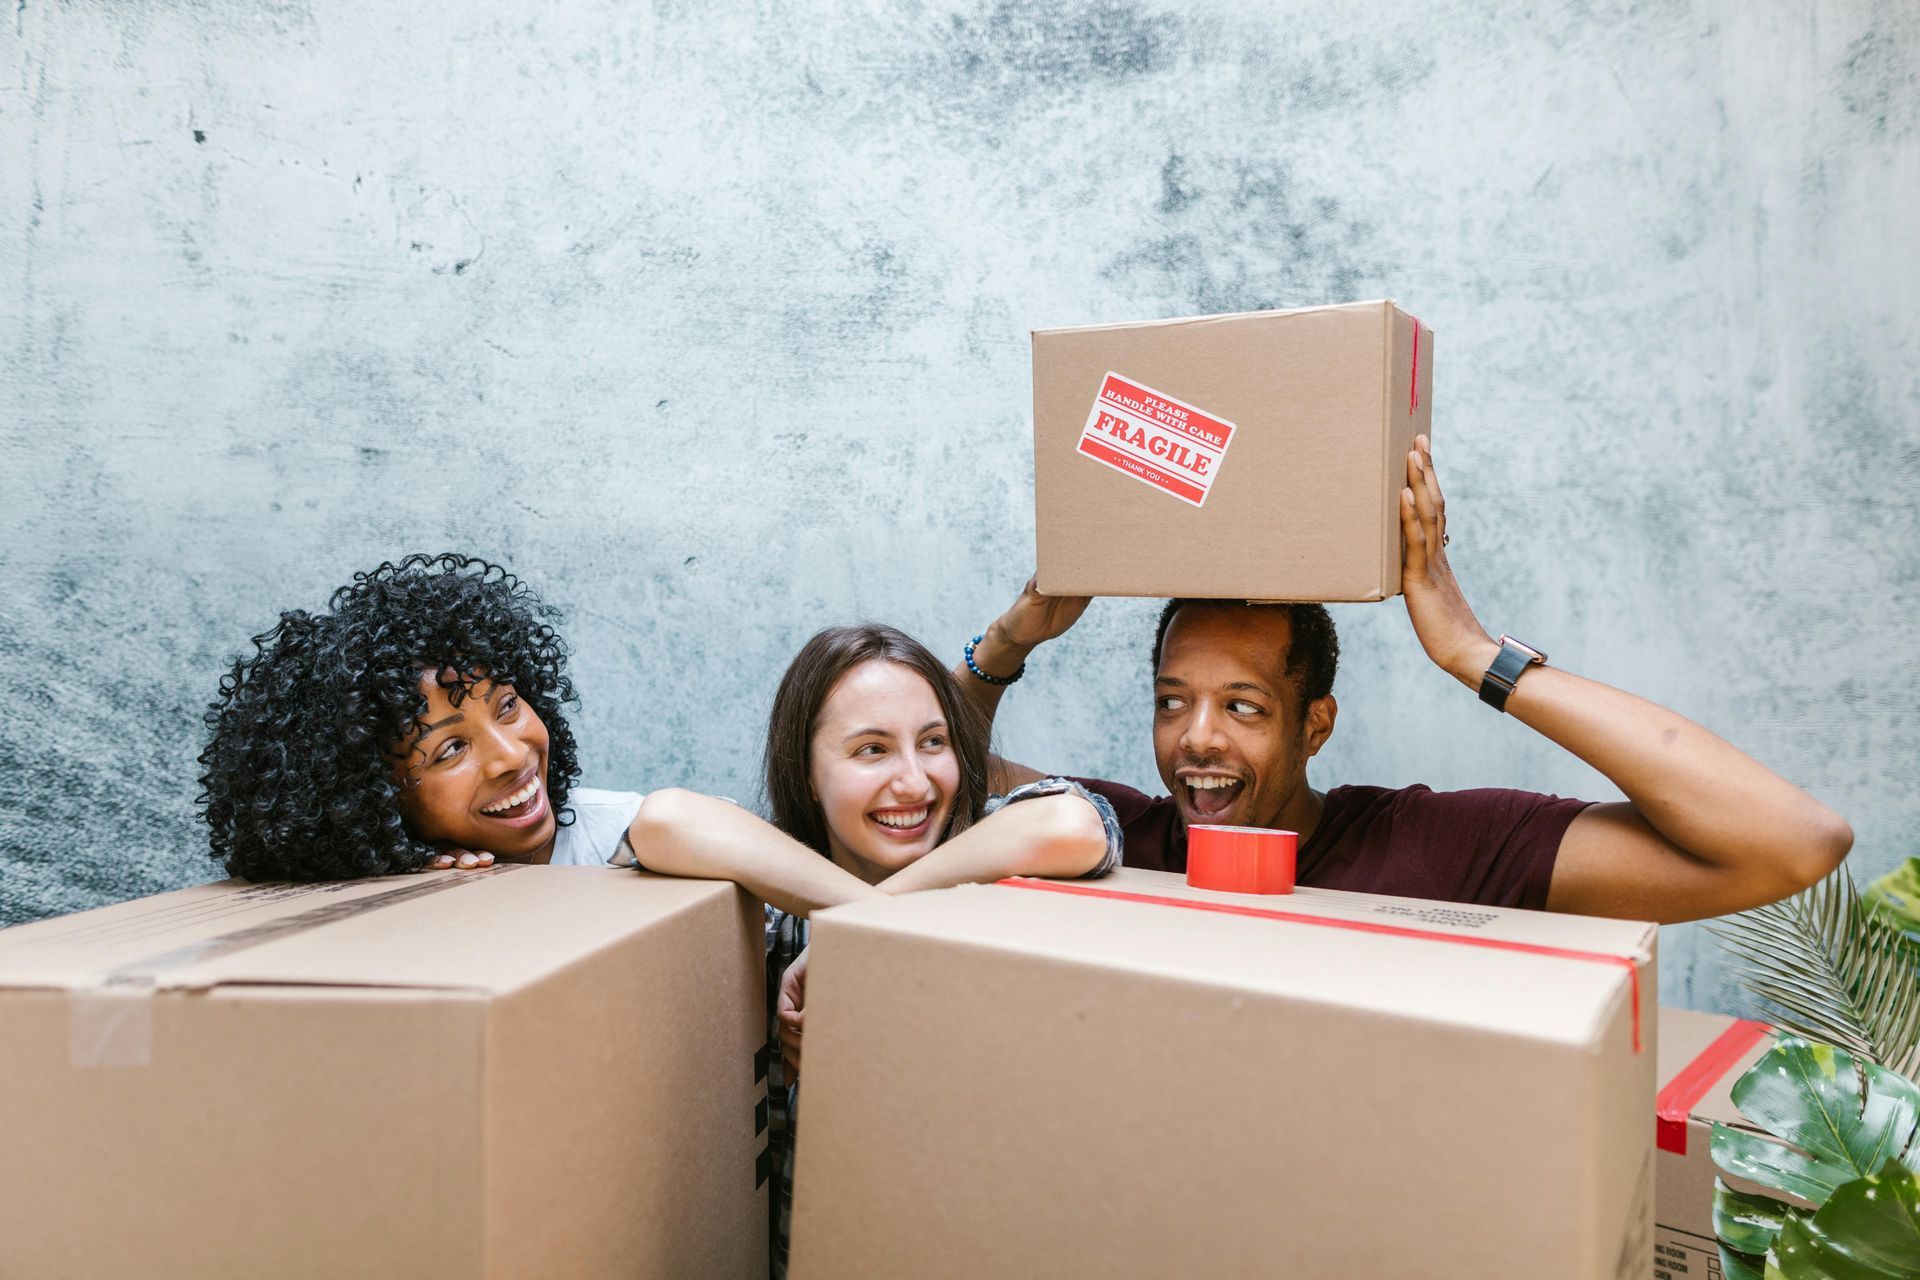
x=1706, y=829
x=1030, y=621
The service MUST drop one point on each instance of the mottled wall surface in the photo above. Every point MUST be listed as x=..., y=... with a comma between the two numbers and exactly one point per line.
x=711, y=321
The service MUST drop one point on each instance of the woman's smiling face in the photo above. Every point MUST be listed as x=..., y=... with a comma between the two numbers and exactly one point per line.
x=883, y=769
x=476, y=777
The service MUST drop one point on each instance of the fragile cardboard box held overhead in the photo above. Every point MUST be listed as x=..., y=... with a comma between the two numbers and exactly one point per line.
x=1132, y=1078
x=519, y=1072
x=1253, y=457
x=1701, y=1056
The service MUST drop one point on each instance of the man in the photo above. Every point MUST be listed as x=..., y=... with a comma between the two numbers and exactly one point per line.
x=1243, y=699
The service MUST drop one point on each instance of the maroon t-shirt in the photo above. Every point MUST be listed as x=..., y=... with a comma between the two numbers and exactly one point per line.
x=1492, y=847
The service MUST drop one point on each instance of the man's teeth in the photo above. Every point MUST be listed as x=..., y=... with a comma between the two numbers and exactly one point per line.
x=1212, y=784
x=901, y=820
x=519, y=797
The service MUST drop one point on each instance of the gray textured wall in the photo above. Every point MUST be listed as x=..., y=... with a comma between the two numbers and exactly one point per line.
x=712, y=322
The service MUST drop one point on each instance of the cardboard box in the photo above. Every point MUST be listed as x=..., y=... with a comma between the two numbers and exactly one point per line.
x=521, y=1072
x=1248, y=457
x=1701, y=1055
x=1130, y=1078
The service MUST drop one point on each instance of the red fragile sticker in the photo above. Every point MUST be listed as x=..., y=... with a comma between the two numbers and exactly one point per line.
x=1155, y=438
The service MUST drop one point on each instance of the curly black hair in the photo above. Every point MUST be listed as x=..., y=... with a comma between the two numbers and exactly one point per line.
x=1313, y=655
x=298, y=780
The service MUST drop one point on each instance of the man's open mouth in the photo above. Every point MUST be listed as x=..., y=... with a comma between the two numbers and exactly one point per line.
x=1210, y=795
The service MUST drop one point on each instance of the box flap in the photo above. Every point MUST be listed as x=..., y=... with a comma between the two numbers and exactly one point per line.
x=1218, y=318
x=1701, y=1056
x=491, y=930
x=1527, y=974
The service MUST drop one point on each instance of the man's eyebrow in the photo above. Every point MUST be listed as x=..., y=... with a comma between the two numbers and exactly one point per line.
x=1248, y=684
x=1175, y=681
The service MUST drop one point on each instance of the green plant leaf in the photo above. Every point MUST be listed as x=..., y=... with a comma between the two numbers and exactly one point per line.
x=1869, y=1229
x=1844, y=1118
x=1747, y=1223
x=1740, y=1266
x=1897, y=893
x=1833, y=968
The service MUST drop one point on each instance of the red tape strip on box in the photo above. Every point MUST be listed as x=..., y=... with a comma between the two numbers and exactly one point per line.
x=1676, y=1101
x=1413, y=398
x=1353, y=926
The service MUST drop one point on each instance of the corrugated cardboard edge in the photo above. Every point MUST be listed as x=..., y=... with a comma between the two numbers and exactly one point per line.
x=1390, y=535
x=151, y=971
x=1211, y=319
x=110, y=1020
x=1409, y=345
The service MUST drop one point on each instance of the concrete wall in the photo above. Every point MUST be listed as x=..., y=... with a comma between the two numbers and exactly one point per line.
x=711, y=321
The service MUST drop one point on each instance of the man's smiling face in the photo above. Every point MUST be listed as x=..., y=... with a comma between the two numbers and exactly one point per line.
x=1229, y=733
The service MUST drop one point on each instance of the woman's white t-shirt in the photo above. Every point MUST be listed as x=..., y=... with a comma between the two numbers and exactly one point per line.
x=597, y=837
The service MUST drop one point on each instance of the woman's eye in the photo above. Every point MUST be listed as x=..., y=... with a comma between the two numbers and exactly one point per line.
x=448, y=750
x=508, y=705
x=870, y=749
x=934, y=743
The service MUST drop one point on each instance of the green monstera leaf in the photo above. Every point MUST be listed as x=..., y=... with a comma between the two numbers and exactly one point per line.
x=1845, y=1118
x=1869, y=1229
x=1897, y=895
x=1747, y=1226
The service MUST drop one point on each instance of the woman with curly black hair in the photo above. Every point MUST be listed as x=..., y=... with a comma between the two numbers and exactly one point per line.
x=416, y=723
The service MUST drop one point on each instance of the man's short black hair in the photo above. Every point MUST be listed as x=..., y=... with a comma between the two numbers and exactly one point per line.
x=1312, y=656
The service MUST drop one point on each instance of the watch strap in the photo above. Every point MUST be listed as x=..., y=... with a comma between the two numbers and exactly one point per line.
x=1513, y=660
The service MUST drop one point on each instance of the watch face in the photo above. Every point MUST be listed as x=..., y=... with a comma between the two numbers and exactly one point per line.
x=1533, y=654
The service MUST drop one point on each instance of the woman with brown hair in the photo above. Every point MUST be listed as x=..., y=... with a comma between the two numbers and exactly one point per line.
x=876, y=776
x=877, y=780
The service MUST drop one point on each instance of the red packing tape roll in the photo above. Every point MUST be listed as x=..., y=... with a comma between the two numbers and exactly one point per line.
x=1241, y=859
x=1353, y=926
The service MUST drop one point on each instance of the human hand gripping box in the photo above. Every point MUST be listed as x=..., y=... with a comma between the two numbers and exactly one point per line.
x=1131, y=1078
x=521, y=1072
x=1255, y=457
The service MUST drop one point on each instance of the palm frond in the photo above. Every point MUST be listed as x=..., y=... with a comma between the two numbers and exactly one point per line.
x=1835, y=969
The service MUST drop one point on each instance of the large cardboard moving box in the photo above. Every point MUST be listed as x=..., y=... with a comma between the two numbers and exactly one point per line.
x=1131, y=1078
x=1701, y=1056
x=525, y=1072
x=1255, y=457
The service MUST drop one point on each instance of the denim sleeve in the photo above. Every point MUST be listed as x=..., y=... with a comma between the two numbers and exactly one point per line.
x=1067, y=786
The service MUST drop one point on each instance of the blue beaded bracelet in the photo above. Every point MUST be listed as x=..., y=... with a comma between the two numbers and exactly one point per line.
x=975, y=667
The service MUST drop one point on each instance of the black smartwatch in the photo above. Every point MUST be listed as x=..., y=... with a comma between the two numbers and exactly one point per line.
x=1505, y=672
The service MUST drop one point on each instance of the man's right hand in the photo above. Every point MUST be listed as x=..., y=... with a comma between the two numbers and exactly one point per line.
x=1034, y=619
x=1031, y=620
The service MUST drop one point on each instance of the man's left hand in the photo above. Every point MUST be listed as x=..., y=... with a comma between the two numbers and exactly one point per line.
x=1440, y=614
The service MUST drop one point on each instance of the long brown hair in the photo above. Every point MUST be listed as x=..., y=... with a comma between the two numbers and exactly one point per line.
x=819, y=665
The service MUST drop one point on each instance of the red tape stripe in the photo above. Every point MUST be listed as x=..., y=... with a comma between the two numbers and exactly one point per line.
x=1413, y=398
x=1676, y=1101
x=1353, y=926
